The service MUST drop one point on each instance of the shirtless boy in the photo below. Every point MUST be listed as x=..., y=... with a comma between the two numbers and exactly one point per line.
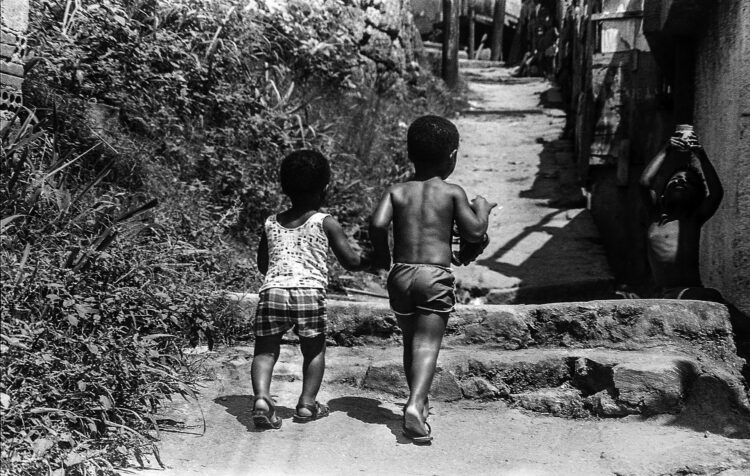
x=679, y=206
x=420, y=282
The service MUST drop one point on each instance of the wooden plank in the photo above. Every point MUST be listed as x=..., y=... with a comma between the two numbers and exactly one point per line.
x=451, y=14
x=498, y=21
x=472, y=33
x=616, y=15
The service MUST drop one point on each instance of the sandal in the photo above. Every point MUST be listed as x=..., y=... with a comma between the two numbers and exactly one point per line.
x=416, y=437
x=317, y=410
x=266, y=418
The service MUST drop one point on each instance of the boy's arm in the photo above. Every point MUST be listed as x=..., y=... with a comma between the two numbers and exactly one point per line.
x=711, y=203
x=339, y=243
x=262, y=258
x=379, y=224
x=472, y=218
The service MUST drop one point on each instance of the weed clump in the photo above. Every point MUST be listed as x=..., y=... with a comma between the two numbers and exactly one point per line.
x=133, y=187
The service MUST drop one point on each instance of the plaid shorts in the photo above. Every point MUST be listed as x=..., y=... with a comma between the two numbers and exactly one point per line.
x=281, y=309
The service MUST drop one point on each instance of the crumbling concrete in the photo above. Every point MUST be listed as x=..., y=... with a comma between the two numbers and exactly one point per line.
x=701, y=328
x=573, y=383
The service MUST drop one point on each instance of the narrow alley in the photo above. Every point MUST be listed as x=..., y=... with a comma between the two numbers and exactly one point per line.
x=544, y=246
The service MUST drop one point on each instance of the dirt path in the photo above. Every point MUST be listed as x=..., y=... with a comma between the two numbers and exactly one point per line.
x=362, y=435
x=542, y=249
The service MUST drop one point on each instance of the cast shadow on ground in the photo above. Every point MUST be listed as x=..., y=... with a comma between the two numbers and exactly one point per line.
x=368, y=410
x=546, y=257
x=711, y=405
x=241, y=407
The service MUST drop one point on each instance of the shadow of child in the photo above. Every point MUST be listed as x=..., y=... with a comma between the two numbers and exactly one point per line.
x=368, y=410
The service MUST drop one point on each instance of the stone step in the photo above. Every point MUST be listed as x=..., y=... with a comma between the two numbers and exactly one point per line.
x=572, y=383
x=702, y=328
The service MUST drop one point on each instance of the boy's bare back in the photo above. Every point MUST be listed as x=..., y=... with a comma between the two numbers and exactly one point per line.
x=423, y=213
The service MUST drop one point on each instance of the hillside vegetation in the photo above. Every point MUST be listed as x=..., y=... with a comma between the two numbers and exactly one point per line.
x=135, y=183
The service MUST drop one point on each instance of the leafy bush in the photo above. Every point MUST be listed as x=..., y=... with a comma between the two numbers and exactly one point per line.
x=132, y=196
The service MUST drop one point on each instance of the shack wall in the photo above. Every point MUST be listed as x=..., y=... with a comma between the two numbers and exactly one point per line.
x=722, y=121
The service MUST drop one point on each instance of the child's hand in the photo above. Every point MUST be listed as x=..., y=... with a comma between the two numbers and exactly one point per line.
x=480, y=204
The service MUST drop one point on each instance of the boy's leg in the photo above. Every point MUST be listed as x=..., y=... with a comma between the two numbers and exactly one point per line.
x=429, y=328
x=407, y=325
x=313, y=368
x=265, y=355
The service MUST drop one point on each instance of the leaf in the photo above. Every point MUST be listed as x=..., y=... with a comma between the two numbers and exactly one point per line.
x=106, y=402
x=93, y=349
x=5, y=222
x=5, y=400
x=41, y=446
x=74, y=458
x=72, y=320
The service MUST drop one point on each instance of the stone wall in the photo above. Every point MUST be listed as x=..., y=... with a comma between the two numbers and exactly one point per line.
x=14, y=20
x=722, y=121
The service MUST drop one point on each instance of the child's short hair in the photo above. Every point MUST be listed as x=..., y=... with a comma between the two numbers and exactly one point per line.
x=303, y=172
x=431, y=138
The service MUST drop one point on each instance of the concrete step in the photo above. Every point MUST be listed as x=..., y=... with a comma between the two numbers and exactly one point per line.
x=572, y=383
x=700, y=328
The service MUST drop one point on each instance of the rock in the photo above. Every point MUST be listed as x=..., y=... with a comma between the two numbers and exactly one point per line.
x=522, y=375
x=602, y=404
x=653, y=387
x=477, y=387
x=386, y=377
x=562, y=401
x=445, y=387
x=591, y=376
x=389, y=377
x=499, y=327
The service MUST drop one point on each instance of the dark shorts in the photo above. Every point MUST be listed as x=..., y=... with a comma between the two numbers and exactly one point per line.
x=281, y=309
x=421, y=287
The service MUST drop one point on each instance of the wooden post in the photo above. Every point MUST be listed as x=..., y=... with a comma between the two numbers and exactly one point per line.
x=498, y=22
x=450, y=42
x=470, y=40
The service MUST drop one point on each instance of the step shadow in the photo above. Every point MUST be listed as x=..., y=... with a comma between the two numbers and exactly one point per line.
x=368, y=410
x=712, y=405
x=241, y=407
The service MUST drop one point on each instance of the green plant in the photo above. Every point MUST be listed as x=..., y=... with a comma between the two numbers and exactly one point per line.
x=118, y=240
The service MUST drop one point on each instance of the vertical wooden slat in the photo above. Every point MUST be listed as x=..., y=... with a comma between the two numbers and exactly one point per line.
x=451, y=13
x=498, y=21
x=472, y=34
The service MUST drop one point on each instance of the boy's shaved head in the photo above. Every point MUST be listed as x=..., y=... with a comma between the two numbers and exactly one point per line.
x=431, y=139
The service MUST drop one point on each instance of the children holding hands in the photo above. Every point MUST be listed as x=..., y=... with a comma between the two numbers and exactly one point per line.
x=292, y=254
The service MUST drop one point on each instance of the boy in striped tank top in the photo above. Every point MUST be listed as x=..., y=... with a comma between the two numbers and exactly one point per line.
x=292, y=255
